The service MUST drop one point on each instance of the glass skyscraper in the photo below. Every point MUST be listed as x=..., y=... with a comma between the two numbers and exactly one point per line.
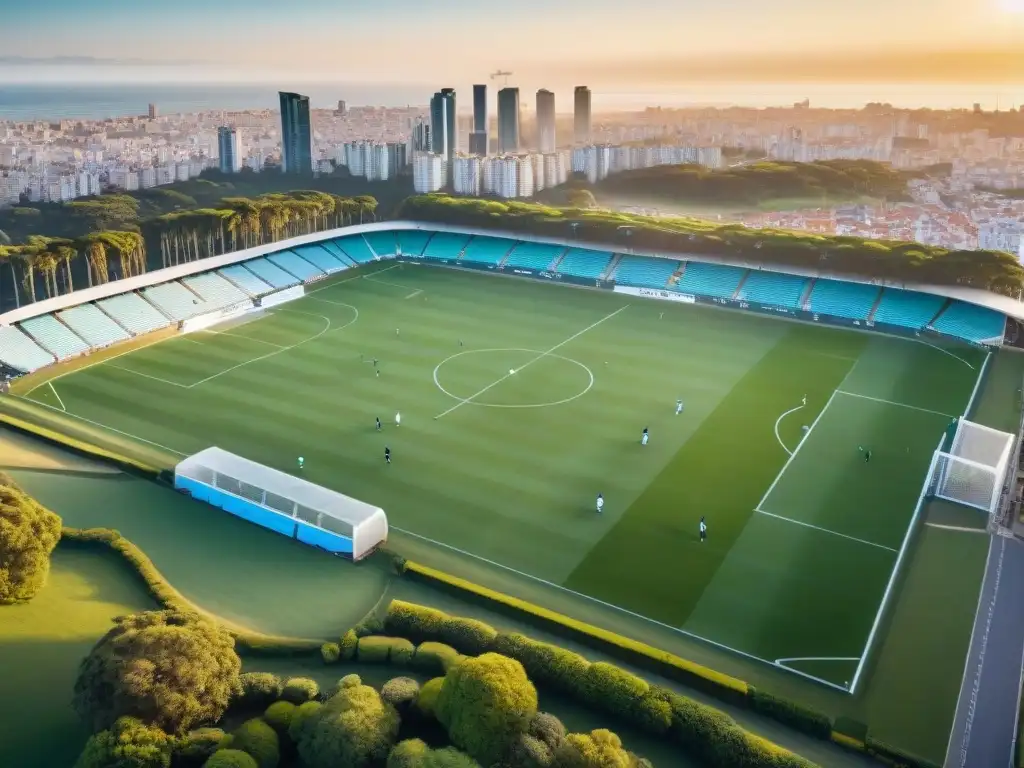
x=296, y=134
x=230, y=150
x=478, y=138
x=545, y=121
x=444, y=130
x=581, y=114
x=508, y=120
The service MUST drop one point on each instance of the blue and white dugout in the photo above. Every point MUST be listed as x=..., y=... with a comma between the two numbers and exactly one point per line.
x=288, y=505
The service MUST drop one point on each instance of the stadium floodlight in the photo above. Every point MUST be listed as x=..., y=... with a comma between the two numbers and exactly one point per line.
x=973, y=471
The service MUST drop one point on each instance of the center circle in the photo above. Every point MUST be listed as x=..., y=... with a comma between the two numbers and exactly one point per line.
x=472, y=399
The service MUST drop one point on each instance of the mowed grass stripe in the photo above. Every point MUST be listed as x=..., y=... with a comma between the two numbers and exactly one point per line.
x=651, y=560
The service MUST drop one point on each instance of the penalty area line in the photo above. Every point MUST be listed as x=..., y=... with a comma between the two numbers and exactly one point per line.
x=957, y=528
x=826, y=530
x=54, y=390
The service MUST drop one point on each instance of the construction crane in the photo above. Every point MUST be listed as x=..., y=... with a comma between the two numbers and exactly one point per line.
x=501, y=73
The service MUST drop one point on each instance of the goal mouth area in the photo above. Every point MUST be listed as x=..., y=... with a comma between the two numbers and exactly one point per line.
x=973, y=471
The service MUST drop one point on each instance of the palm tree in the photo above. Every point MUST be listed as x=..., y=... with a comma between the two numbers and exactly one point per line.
x=367, y=204
x=9, y=254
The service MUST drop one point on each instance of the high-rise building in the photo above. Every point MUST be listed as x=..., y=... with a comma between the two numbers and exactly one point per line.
x=296, y=134
x=342, y=108
x=421, y=141
x=154, y=113
x=581, y=114
x=229, y=150
x=478, y=139
x=508, y=120
x=444, y=129
x=428, y=172
x=545, y=121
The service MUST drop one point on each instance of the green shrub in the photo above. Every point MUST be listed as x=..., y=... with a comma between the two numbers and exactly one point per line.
x=279, y=716
x=299, y=690
x=28, y=534
x=470, y=636
x=348, y=644
x=795, y=716
x=612, y=688
x=485, y=703
x=230, y=758
x=380, y=650
x=129, y=743
x=348, y=681
x=256, y=738
x=402, y=651
x=449, y=757
x=355, y=728
x=896, y=757
x=597, y=749
x=415, y=622
x=426, y=702
x=330, y=652
x=303, y=716
x=400, y=692
x=410, y=753
x=528, y=751
x=259, y=689
x=196, y=747
x=546, y=664
x=434, y=658
x=547, y=728
x=174, y=670
x=371, y=625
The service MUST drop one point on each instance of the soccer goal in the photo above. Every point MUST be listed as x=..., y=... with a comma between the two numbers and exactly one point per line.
x=972, y=472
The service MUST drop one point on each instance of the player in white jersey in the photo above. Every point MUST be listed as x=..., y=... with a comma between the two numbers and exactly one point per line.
x=600, y=503
x=679, y=407
x=644, y=437
x=703, y=530
x=302, y=462
x=398, y=419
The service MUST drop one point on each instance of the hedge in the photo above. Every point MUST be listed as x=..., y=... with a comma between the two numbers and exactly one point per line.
x=259, y=689
x=798, y=717
x=169, y=597
x=434, y=658
x=428, y=695
x=279, y=716
x=380, y=650
x=895, y=757
x=299, y=690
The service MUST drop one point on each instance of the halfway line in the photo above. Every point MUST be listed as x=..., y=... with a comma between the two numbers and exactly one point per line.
x=825, y=530
x=530, y=362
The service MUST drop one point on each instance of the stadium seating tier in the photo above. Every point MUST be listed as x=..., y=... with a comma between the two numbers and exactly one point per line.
x=134, y=313
x=93, y=325
x=581, y=262
x=176, y=301
x=321, y=258
x=716, y=280
x=645, y=271
x=19, y=351
x=384, y=244
x=851, y=300
x=296, y=265
x=412, y=242
x=215, y=290
x=246, y=280
x=486, y=250
x=445, y=245
x=356, y=248
x=534, y=255
x=969, y=321
x=772, y=288
x=52, y=335
x=270, y=273
x=910, y=309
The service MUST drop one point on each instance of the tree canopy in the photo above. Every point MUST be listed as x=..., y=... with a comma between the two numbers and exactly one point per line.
x=129, y=743
x=893, y=261
x=174, y=670
x=28, y=534
x=354, y=728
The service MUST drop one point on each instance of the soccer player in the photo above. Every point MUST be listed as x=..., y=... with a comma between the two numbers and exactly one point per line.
x=644, y=437
x=703, y=530
x=679, y=407
x=387, y=455
x=600, y=503
x=302, y=462
x=378, y=423
x=804, y=402
x=398, y=419
x=867, y=455
x=396, y=332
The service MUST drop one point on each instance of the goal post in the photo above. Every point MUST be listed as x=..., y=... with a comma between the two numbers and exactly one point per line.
x=972, y=472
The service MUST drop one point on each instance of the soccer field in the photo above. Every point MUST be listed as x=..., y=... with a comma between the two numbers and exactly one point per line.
x=803, y=533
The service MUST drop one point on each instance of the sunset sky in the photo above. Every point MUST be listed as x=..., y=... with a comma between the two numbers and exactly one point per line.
x=608, y=41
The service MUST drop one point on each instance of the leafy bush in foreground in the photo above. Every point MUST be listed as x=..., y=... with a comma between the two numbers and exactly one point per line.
x=28, y=534
x=279, y=716
x=257, y=739
x=299, y=690
x=196, y=747
x=259, y=689
x=355, y=728
x=128, y=744
x=230, y=758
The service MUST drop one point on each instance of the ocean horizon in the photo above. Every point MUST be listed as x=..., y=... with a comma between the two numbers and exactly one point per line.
x=49, y=101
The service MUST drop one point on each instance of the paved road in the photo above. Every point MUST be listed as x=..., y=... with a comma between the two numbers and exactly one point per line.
x=985, y=725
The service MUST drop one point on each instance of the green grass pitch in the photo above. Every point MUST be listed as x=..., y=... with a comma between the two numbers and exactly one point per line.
x=803, y=533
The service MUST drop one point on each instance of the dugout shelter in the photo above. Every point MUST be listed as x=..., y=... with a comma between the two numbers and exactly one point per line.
x=288, y=505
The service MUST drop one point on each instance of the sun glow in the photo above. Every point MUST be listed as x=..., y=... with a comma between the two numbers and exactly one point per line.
x=1012, y=6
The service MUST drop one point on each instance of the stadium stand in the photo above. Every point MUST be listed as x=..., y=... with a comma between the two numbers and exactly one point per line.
x=412, y=242
x=644, y=271
x=296, y=265
x=907, y=308
x=93, y=326
x=355, y=247
x=710, y=280
x=321, y=258
x=269, y=272
x=584, y=263
x=19, y=351
x=175, y=300
x=53, y=336
x=384, y=244
x=215, y=290
x=444, y=245
x=246, y=280
x=486, y=250
x=134, y=313
x=332, y=248
x=852, y=300
x=534, y=255
x=970, y=322
x=772, y=288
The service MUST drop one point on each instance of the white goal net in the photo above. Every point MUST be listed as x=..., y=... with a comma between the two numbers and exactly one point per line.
x=973, y=470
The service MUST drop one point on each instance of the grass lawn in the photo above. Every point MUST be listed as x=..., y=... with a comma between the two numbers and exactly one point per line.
x=505, y=466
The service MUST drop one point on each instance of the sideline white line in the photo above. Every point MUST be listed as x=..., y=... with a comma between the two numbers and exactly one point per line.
x=826, y=530
x=240, y=336
x=778, y=421
x=147, y=376
x=977, y=385
x=335, y=283
x=415, y=293
x=958, y=528
x=530, y=362
x=625, y=611
x=893, y=402
x=945, y=352
x=54, y=390
x=817, y=658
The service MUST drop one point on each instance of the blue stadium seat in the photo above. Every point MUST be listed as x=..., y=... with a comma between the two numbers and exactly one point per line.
x=715, y=280
x=296, y=265
x=645, y=271
x=907, y=308
x=91, y=324
x=384, y=244
x=534, y=255
x=332, y=248
x=356, y=248
x=246, y=280
x=486, y=250
x=584, y=263
x=772, y=288
x=834, y=297
x=19, y=351
x=445, y=245
x=52, y=335
x=412, y=242
x=176, y=301
x=971, y=322
x=217, y=291
x=134, y=313
x=270, y=273
x=321, y=258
